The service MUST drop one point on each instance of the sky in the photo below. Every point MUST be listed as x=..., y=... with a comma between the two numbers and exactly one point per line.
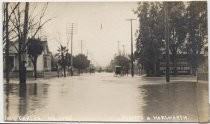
x=99, y=26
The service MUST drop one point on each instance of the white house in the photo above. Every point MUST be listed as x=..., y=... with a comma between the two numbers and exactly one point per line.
x=43, y=60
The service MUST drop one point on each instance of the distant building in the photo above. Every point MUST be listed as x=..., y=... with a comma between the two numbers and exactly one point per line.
x=43, y=60
x=182, y=64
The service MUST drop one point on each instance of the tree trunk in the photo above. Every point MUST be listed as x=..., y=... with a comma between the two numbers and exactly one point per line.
x=7, y=45
x=194, y=63
x=35, y=67
x=155, y=69
x=63, y=63
x=22, y=61
x=175, y=64
x=64, y=71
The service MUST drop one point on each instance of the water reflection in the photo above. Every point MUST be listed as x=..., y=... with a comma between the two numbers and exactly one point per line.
x=176, y=102
x=103, y=97
x=6, y=101
x=22, y=100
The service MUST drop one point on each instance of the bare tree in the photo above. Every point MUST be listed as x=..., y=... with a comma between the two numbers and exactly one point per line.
x=7, y=42
x=7, y=31
x=62, y=54
x=21, y=21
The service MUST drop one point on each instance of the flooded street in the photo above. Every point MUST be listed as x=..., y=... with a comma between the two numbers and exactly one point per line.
x=103, y=97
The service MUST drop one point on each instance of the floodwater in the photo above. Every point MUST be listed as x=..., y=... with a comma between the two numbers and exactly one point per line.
x=104, y=97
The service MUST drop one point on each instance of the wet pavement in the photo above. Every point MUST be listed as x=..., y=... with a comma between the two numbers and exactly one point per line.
x=103, y=97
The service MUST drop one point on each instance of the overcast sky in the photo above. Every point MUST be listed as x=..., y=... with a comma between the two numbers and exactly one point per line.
x=98, y=25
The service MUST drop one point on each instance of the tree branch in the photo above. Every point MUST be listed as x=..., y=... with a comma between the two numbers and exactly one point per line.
x=40, y=27
x=13, y=10
x=18, y=33
x=12, y=44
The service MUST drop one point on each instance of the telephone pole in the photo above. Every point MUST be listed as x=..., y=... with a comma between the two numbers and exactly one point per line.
x=167, y=42
x=71, y=31
x=72, y=49
x=132, y=66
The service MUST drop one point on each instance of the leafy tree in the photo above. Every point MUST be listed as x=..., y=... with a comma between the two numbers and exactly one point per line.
x=177, y=29
x=34, y=49
x=187, y=22
x=150, y=36
x=81, y=62
x=197, y=30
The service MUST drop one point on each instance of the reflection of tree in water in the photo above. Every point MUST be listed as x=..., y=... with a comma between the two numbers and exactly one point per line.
x=9, y=90
x=26, y=98
x=6, y=90
x=171, y=99
x=22, y=99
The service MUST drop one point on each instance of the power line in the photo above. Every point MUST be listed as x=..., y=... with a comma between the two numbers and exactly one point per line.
x=71, y=29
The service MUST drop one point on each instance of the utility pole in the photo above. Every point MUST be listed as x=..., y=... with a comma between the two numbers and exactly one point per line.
x=167, y=42
x=132, y=68
x=72, y=49
x=71, y=29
